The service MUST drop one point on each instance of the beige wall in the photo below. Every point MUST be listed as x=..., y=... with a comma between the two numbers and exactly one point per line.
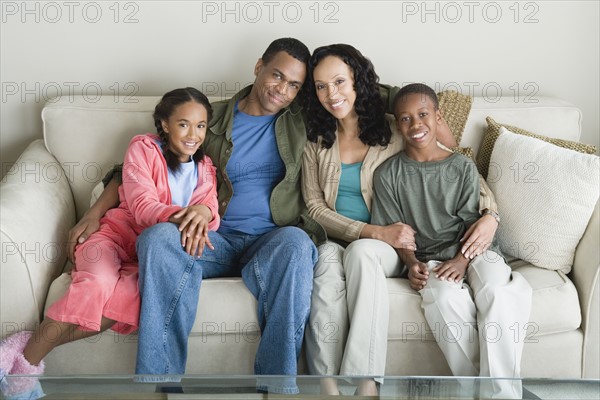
x=536, y=48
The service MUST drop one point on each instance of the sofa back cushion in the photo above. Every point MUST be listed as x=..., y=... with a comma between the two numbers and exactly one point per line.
x=554, y=117
x=88, y=138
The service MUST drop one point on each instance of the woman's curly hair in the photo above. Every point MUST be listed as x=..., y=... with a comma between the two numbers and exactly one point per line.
x=373, y=128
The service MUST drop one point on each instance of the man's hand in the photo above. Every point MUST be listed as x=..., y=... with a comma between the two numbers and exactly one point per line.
x=452, y=270
x=479, y=236
x=193, y=225
x=418, y=273
x=87, y=225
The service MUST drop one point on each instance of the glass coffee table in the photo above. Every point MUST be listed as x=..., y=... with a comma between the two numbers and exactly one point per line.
x=244, y=387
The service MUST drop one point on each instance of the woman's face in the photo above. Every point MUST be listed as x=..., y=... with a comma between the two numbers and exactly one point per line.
x=334, y=84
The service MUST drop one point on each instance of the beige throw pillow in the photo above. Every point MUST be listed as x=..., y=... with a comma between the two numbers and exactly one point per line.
x=546, y=195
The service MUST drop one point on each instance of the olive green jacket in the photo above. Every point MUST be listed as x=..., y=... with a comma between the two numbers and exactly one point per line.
x=286, y=203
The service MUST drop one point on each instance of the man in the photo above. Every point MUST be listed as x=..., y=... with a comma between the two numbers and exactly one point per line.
x=255, y=140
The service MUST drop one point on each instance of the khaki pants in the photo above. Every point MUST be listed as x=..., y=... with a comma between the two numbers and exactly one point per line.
x=350, y=285
x=481, y=325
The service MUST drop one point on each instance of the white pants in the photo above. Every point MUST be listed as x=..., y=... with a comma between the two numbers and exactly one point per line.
x=347, y=333
x=481, y=333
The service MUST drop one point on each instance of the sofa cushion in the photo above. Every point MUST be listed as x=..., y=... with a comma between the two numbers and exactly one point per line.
x=493, y=131
x=555, y=307
x=546, y=195
x=226, y=306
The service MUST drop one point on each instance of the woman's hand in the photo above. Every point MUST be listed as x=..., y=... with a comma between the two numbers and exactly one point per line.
x=193, y=225
x=398, y=235
x=452, y=270
x=87, y=225
x=479, y=236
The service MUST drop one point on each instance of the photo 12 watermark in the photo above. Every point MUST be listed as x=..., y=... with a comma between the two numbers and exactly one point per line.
x=55, y=12
x=53, y=172
x=453, y=332
x=52, y=92
x=490, y=91
x=253, y=12
x=453, y=12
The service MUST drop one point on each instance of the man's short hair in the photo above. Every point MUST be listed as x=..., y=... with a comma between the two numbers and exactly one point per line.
x=293, y=47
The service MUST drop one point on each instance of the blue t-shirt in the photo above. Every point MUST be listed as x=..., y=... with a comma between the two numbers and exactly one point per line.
x=254, y=169
x=350, y=202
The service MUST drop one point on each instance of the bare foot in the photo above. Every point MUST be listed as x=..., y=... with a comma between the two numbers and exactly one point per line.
x=329, y=387
x=367, y=387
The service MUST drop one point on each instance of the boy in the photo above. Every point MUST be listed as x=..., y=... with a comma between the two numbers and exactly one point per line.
x=437, y=193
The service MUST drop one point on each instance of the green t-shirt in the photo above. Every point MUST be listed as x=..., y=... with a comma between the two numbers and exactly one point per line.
x=439, y=200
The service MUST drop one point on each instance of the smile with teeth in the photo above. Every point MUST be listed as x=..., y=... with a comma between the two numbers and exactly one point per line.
x=419, y=135
x=337, y=104
x=190, y=144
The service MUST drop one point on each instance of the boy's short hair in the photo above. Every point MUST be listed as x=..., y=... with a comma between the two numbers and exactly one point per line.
x=418, y=88
x=293, y=47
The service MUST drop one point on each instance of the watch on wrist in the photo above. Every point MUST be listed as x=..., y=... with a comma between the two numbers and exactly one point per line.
x=494, y=214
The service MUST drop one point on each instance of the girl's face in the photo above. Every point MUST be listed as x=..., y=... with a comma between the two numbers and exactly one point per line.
x=334, y=84
x=186, y=129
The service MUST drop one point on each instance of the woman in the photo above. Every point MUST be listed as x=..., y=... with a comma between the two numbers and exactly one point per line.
x=348, y=138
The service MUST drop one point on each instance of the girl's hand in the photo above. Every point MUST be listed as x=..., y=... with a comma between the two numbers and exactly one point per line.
x=193, y=225
x=452, y=270
x=82, y=230
x=418, y=273
x=398, y=235
x=479, y=236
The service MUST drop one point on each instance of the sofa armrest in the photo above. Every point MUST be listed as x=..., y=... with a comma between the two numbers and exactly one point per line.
x=585, y=276
x=36, y=213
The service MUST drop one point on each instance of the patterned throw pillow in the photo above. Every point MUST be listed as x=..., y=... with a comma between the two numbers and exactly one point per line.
x=465, y=151
x=493, y=131
x=455, y=108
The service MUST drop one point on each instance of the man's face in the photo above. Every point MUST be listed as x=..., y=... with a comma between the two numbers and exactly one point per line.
x=276, y=85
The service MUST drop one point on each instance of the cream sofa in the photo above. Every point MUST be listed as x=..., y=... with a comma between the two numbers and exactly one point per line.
x=50, y=188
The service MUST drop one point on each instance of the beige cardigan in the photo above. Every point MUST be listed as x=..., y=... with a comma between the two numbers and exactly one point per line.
x=321, y=171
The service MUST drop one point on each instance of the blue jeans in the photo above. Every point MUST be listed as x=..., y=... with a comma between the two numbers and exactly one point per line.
x=277, y=267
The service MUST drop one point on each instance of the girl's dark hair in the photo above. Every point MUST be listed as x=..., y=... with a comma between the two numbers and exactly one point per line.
x=373, y=128
x=163, y=110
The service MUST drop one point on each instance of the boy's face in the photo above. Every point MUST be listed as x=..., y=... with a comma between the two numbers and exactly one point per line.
x=417, y=120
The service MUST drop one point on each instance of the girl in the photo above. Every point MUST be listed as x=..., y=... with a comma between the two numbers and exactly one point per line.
x=166, y=177
x=348, y=138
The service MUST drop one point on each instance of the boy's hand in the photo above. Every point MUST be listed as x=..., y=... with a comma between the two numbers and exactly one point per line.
x=479, y=236
x=452, y=270
x=418, y=273
x=193, y=225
